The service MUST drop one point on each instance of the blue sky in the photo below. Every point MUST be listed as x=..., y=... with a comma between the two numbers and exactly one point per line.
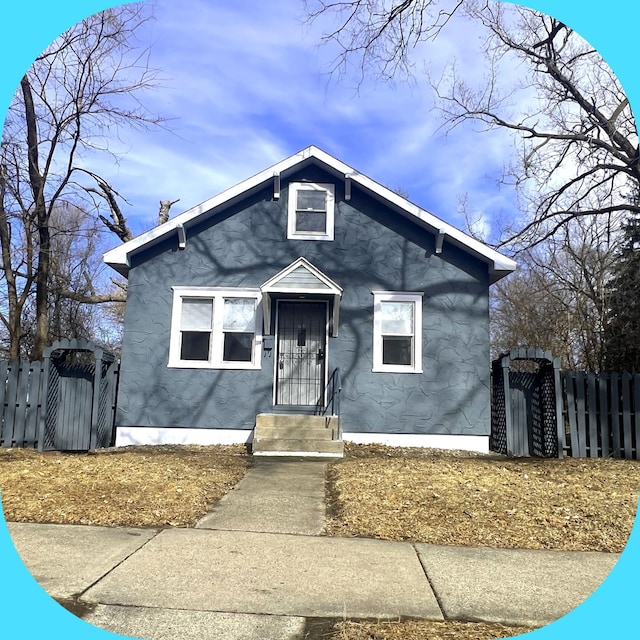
x=392, y=143
x=245, y=84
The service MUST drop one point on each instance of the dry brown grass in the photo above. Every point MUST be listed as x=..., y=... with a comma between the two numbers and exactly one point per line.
x=396, y=494
x=473, y=500
x=423, y=630
x=152, y=486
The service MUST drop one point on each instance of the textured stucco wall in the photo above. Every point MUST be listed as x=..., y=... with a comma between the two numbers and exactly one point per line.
x=373, y=250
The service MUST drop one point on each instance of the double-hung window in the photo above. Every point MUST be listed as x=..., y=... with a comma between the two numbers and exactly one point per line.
x=214, y=328
x=311, y=211
x=397, y=332
x=196, y=325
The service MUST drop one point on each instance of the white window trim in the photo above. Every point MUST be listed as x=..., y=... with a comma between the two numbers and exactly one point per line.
x=397, y=296
x=294, y=187
x=218, y=295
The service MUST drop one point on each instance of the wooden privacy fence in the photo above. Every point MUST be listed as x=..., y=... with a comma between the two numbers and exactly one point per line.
x=65, y=402
x=601, y=414
x=546, y=412
x=21, y=393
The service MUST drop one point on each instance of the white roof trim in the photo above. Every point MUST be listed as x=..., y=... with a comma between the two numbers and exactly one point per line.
x=500, y=265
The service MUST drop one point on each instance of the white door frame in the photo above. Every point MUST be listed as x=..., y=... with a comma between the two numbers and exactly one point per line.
x=277, y=347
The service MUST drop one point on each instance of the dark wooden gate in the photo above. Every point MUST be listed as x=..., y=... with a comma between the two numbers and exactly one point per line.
x=526, y=413
x=80, y=381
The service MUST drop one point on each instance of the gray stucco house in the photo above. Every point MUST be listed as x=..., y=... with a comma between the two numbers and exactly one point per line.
x=241, y=309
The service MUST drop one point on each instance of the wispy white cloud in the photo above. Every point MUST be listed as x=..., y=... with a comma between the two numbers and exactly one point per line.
x=246, y=84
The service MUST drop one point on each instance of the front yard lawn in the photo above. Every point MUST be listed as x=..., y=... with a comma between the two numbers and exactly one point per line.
x=439, y=497
x=152, y=486
x=457, y=498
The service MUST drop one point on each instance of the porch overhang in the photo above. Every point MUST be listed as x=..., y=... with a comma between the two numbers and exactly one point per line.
x=300, y=279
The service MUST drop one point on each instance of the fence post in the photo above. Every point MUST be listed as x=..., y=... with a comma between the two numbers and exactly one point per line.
x=558, y=394
x=46, y=361
x=95, y=408
x=605, y=418
x=11, y=399
x=593, y=423
x=4, y=367
x=615, y=415
x=507, y=406
x=626, y=414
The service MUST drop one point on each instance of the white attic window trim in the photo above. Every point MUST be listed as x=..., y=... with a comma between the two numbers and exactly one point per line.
x=311, y=211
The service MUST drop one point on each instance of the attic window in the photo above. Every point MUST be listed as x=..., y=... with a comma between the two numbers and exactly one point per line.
x=311, y=211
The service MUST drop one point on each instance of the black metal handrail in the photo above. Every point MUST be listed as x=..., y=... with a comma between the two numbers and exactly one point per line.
x=333, y=387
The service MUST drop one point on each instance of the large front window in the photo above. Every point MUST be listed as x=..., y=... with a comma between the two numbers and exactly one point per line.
x=397, y=332
x=214, y=328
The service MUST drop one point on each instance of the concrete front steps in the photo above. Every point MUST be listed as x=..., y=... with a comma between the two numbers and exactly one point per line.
x=297, y=435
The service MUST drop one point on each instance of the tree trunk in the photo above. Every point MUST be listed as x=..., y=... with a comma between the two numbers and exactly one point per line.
x=12, y=321
x=42, y=289
x=41, y=218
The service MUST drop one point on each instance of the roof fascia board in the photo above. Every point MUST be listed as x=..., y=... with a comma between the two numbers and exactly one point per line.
x=118, y=258
x=119, y=255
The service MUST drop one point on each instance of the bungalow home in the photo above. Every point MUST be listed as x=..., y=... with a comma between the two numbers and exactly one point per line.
x=306, y=305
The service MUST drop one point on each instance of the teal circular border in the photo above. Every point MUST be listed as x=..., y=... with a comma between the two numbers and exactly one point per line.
x=28, y=612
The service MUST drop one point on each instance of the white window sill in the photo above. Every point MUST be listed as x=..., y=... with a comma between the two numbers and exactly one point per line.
x=201, y=364
x=395, y=369
x=305, y=236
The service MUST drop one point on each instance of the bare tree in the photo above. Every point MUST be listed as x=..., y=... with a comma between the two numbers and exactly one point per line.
x=72, y=102
x=75, y=266
x=575, y=163
x=559, y=297
x=381, y=35
x=575, y=130
x=163, y=214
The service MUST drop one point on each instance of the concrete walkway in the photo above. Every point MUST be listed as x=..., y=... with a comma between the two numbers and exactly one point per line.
x=279, y=495
x=257, y=568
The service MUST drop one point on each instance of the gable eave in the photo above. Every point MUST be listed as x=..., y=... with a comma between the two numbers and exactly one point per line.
x=499, y=265
x=119, y=258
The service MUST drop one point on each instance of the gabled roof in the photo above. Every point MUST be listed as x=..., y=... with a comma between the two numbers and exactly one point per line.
x=499, y=265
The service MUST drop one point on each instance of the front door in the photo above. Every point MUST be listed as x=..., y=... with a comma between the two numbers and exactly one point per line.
x=301, y=357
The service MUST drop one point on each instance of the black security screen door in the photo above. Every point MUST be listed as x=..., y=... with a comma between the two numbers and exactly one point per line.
x=300, y=367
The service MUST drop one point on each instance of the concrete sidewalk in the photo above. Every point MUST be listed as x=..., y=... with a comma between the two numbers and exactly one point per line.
x=251, y=570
